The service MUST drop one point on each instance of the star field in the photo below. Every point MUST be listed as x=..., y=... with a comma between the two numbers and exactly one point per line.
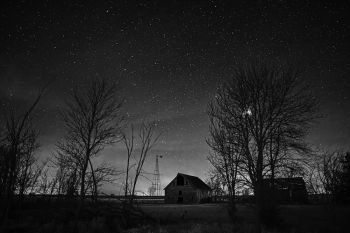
x=169, y=57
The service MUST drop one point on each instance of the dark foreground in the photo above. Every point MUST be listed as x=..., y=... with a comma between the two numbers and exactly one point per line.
x=214, y=218
x=61, y=216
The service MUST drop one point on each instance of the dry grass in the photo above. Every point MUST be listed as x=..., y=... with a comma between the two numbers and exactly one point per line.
x=57, y=217
x=214, y=218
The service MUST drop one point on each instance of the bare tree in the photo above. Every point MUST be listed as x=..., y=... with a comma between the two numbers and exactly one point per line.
x=44, y=181
x=325, y=175
x=332, y=170
x=17, y=147
x=148, y=138
x=67, y=174
x=29, y=170
x=19, y=133
x=217, y=183
x=92, y=120
x=4, y=167
x=225, y=158
x=313, y=181
x=103, y=173
x=129, y=144
x=268, y=110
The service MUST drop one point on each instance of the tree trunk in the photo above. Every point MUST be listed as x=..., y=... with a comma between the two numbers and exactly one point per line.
x=258, y=206
x=232, y=203
x=82, y=185
x=127, y=177
x=94, y=180
x=10, y=185
x=259, y=189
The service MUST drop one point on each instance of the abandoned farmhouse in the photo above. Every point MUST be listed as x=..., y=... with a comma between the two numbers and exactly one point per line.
x=186, y=189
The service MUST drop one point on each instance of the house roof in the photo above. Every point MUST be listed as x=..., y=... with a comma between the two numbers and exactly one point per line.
x=194, y=180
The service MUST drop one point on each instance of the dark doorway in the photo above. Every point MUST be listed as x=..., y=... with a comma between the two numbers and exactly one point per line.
x=180, y=199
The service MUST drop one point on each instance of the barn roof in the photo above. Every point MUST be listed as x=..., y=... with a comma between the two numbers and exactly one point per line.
x=194, y=180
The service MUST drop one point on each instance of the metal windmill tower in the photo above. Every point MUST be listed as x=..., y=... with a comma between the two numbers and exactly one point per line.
x=156, y=178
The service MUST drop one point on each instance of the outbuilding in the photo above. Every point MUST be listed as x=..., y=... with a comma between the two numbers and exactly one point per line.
x=186, y=189
x=288, y=190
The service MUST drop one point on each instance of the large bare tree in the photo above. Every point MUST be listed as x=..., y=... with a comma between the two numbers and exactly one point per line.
x=269, y=110
x=92, y=120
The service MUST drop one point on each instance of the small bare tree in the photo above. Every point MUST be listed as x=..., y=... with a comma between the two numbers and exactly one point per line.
x=67, y=173
x=325, y=174
x=129, y=144
x=17, y=147
x=103, y=173
x=148, y=138
x=217, y=183
x=225, y=158
x=29, y=170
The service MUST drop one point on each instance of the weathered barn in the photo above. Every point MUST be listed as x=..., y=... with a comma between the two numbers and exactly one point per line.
x=186, y=189
x=288, y=190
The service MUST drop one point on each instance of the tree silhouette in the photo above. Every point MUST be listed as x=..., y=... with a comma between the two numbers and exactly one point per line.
x=17, y=144
x=265, y=110
x=92, y=120
x=148, y=138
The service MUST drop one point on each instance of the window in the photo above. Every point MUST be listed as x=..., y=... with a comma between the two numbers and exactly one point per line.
x=180, y=181
x=186, y=182
x=180, y=193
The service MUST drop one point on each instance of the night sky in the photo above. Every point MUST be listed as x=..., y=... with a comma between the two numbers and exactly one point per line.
x=169, y=57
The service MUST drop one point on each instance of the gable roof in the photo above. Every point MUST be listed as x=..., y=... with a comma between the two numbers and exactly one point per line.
x=194, y=180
